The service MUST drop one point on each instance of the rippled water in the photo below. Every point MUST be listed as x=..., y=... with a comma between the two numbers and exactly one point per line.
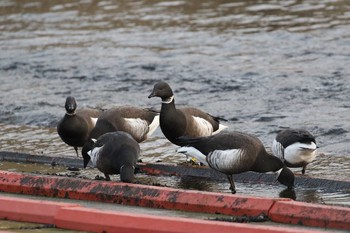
x=262, y=65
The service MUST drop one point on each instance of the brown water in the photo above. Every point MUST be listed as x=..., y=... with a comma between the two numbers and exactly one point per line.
x=262, y=65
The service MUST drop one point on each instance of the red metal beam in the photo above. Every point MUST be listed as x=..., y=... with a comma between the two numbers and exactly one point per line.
x=310, y=214
x=279, y=210
x=133, y=194
x=76, y=217
x=103, y=221
x=25, y=210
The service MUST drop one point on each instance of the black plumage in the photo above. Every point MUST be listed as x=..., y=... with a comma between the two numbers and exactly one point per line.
x=188, y=121
x=233, y=153
x=295, y=147
x=116, y=153
x=75, y=126
x=140, y=123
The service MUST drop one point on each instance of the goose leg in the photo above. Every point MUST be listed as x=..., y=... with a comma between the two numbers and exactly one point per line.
x=76, y=150
x=304, y=169
x=232, y=184
x=108, y=178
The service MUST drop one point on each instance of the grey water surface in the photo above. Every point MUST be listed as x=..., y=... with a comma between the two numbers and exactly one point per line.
x=262, y=65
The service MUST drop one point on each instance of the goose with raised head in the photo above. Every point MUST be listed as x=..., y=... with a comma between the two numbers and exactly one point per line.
x=75, y=126
x=188, y=121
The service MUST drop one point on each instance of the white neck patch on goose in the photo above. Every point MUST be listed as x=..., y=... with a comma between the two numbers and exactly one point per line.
x=169, y=100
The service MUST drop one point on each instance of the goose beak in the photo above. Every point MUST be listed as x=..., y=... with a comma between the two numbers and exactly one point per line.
x=151, y=95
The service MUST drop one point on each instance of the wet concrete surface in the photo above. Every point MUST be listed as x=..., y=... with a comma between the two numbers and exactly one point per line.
x=45, y=141
x=19, y=227
x=316, y=191
x=313, y=195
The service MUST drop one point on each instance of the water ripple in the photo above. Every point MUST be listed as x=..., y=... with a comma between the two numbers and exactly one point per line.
x=264, y=65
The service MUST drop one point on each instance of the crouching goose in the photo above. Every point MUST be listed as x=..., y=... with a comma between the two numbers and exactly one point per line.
x=295, y=147
x=115, y=153
x=190, y=122
x=74, y=128
x=233, y=153
x=140, y=123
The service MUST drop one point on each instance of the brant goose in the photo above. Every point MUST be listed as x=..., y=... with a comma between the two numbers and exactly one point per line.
x=115, y=153
x=74, y=128
x=295, y=147
x=233, y=153
x=140, y=123
x=190, y=122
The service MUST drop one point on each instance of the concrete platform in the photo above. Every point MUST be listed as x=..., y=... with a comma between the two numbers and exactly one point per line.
x=278, y=210
x=289, y=214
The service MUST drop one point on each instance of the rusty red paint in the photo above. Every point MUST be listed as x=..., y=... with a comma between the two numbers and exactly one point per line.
x=145, y=168
x=311, y=214
x=279, y=210
x=76, y=217
x=107, y=221
x=133, y=194
x=183, y=171
x=30, y=210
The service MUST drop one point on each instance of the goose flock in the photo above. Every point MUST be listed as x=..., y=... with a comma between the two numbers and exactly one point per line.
x=110, y=139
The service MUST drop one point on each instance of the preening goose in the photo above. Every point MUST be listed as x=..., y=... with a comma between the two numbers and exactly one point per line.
x=295, y=147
